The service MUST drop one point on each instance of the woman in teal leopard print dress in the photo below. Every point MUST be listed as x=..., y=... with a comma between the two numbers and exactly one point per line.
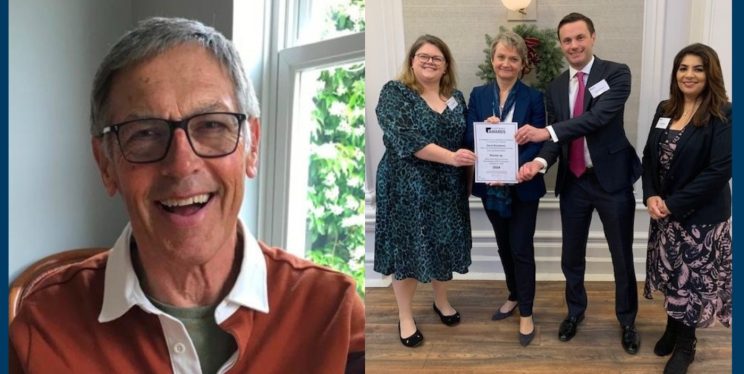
x=422, y=231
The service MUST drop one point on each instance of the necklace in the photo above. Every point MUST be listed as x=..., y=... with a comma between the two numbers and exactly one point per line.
x=687, y=115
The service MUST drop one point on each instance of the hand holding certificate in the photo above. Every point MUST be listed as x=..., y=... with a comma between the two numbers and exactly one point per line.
x=497, y=152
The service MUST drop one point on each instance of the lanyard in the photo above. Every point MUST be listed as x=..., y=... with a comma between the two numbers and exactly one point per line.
x=510, y=100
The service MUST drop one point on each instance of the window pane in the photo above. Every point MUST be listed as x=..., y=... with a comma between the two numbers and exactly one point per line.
x=325, y=19
x=327, y=171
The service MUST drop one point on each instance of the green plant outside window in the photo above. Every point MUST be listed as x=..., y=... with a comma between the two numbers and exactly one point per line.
x=335, y=221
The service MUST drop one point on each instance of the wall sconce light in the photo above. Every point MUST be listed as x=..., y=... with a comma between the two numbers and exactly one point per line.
x=520, y=10
x=517, y=5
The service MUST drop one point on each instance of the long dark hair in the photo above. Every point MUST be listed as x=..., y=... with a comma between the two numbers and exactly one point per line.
x=713, y=97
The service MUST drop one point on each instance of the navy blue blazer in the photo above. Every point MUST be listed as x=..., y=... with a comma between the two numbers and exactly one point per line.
x=529, y=109
x=696, y=188
x=615, y=161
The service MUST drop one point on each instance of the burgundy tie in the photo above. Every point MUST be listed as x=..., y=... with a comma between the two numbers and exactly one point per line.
x=576, y=149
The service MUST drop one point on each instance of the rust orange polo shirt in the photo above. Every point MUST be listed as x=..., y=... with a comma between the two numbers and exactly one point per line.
x=287, y=315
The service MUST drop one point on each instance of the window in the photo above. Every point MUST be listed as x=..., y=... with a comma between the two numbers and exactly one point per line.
x=311, y=190
x=324, y=19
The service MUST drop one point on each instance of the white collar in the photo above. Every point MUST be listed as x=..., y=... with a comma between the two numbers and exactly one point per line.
x=586, y=69
x=122, y=288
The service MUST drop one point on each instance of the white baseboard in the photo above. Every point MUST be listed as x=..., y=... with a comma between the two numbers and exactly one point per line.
x=487, y=264
x=378, y=280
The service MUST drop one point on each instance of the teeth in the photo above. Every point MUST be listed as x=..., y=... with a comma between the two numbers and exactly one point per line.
x=198, y=199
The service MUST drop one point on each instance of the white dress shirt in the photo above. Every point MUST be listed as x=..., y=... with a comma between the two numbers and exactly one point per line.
x=573, y=89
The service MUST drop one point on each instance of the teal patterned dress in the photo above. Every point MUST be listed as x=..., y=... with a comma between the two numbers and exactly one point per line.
x=422, y=227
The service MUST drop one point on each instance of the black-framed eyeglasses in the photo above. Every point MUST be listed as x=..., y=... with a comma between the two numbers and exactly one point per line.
x=424, y=58
x=210, y=135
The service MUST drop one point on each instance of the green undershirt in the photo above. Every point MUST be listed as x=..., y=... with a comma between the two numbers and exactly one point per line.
x=213, y=345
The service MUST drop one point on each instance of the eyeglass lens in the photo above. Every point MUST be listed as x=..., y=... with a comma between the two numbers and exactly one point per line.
x=423, y=57
x=210, y=135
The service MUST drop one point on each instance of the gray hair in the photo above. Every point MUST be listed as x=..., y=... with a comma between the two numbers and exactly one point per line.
x=511, y=39
x=154, y=36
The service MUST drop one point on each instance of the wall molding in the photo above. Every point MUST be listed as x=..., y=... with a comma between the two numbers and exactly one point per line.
x=487, y=265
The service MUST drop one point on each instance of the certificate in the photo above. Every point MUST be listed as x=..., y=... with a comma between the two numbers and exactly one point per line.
x=496, y=151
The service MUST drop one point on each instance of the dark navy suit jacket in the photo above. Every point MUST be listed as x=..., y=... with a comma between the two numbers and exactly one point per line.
x=615, y=161
x=529, y=109
x=696, y=188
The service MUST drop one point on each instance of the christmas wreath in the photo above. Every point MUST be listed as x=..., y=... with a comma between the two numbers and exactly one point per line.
x=543, y=54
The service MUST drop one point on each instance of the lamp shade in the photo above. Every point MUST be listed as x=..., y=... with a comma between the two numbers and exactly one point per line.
x=516, y=5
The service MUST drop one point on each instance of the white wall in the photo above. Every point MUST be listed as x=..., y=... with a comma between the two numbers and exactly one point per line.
x=215, y=13
x=56, y=200
x=384, y=36
x=712, y=19
x=56, y=197
x=670, y=25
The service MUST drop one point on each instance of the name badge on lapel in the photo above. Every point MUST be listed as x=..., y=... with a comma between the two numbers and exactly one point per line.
x=662, y=123
x=452, y=103
x=599, y=88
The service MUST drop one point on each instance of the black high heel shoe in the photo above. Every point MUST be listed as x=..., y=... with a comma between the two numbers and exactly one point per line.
x=412, y=341
x=447, y=320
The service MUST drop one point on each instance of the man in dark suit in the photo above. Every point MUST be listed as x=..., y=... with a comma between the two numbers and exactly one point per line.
x=597, y=170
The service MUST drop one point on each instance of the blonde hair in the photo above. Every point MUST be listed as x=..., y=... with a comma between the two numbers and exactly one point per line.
x=511, y=39
x=447, y=84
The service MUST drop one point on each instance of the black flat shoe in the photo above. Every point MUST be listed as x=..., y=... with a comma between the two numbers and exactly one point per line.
x=500, y=315
x=525, y=340
x=412, y=341
x=567, y=330
x=631, y=340
x=447, y=320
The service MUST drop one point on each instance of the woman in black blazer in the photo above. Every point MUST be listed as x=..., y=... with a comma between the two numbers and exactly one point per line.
x=512, y=209
x=686, y=173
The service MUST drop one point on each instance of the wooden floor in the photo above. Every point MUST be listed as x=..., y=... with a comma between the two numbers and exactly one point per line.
x=479, y=345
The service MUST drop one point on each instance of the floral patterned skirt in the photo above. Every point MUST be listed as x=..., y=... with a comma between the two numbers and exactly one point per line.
x=691, y=265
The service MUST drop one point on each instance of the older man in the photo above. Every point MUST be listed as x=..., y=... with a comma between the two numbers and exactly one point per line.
x=186, y=288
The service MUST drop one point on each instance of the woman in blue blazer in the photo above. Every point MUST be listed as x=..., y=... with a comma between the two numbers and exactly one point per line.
x=686, y=173
x=512, y=209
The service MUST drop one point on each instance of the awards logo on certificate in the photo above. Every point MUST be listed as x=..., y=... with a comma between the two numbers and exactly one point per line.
x=497, y=154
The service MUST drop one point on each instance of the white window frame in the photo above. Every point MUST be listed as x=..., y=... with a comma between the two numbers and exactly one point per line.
x=278, y=105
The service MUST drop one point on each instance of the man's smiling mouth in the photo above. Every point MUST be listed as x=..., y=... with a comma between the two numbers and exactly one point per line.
x=186, y=206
